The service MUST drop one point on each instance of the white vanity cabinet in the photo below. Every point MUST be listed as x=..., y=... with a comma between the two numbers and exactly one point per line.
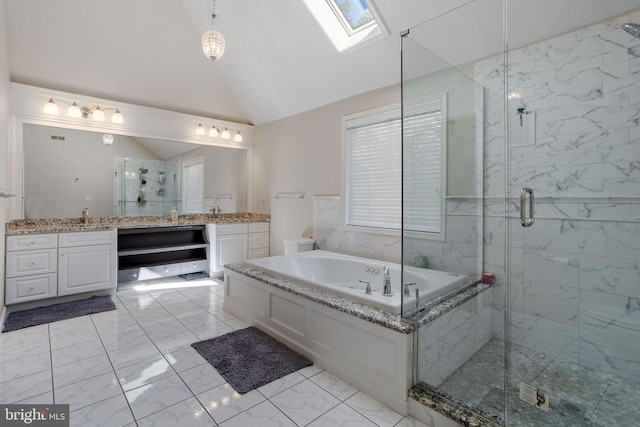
x=258, y=240
x=31, y=267
x=87, y=261
x=40, y=266
x=236, y=242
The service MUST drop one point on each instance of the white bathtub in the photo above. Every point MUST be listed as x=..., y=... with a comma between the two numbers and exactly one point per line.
x=340, y=274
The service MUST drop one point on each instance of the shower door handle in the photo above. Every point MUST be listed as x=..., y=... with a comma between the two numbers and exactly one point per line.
x=524, y=220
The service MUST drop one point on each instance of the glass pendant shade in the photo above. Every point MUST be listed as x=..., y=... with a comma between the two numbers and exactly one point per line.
x=226, y=134
x=117, y=118
x=200, y=130
x=213, y=44
x=98, y=115
x=237, y=137
x=213, y=131
x=74, y=111
x=51, y=107
x=107, y=138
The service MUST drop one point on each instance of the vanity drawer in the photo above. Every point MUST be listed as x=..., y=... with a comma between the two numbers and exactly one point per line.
x=32, y=241
x=258, y=227
x=30, y=288
x=258, y=240
x=24, y=263
x=258, y=253
x=224, y=229
x=86, y=238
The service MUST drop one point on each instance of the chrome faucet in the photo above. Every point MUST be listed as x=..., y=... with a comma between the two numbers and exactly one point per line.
x=406, y=288
x=85, y=215
x=386, y=290
x=367, y=291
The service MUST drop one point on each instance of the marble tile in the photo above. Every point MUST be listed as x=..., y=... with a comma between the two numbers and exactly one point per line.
x=81, y=336
x=175, y=342
x=281, y=384
x=75, y=353
x=153, y=397
x=40, y=399
x=263, y=414
x=610, y=275
x=142, y=373
x=223, y=402
x=112, y=412
x=89, y=391
x=186, y=358
x=81, y=370
x=310, y=371
x=27, y=365
x=22, y=336
x=199, y=320
x=211, y=330
x=304, y=402
x=15, y=349
x=26, y=386
x=202, y=378
x=76, y=324
x=334, y=385
x=342, y=415
x=374, y=410
x=128, y=337
x=164, y=329
x=188, y=413
x=126, y=356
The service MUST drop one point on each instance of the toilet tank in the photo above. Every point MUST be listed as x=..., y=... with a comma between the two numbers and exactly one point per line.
x=294, y=246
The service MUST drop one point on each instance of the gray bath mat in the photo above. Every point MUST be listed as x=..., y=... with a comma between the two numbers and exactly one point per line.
x=194, y=276
x=249, y=358
x=53, y=313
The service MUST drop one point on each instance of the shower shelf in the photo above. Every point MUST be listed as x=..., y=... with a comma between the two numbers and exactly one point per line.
x=144, y=253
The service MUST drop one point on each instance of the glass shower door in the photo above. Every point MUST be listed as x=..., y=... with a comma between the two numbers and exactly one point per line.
x=573, y=226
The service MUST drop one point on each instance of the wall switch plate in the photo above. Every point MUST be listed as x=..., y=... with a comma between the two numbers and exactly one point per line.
x=534, y=397
x=88, y=198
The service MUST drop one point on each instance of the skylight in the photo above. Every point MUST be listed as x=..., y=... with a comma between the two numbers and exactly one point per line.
x=347, y=23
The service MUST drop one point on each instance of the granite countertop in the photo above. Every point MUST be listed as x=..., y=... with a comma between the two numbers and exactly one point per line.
x=98, y=223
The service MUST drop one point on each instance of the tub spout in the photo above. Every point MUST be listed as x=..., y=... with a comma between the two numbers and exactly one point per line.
x=367, y=291
x=386, y=290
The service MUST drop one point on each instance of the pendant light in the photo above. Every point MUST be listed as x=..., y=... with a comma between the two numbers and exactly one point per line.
x=213, y=40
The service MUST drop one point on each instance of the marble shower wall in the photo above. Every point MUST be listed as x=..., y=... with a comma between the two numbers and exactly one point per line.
x=574, y=276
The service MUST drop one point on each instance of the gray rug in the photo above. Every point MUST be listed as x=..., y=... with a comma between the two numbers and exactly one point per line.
x=53, y=313
x=249, y=358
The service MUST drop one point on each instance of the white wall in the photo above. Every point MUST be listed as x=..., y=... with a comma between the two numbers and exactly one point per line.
x=4, y=131
x=303, y=153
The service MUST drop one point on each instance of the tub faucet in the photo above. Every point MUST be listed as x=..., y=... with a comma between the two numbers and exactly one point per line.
x=367, y=291
x=386, y=290
x=406, y=288
x=85, y=215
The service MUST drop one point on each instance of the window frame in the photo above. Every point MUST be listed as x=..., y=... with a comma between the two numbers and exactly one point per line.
x=390, y=111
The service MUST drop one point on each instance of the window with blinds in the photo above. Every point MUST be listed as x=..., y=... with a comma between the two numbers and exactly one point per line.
x=374, y=170
x=193, y=179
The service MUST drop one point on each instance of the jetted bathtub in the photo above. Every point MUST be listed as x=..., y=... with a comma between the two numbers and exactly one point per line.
x=340, y=274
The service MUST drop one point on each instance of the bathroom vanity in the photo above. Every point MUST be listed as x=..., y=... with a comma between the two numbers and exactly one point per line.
x=48, y=258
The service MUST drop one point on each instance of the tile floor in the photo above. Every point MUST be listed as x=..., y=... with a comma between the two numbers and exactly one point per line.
x=580, y=396
x=134, y=366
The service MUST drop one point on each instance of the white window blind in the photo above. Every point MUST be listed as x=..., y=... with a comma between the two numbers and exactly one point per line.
x=193, y=172
x=373, y=168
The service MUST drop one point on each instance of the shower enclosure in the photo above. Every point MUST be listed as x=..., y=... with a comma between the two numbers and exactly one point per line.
x=538, y=150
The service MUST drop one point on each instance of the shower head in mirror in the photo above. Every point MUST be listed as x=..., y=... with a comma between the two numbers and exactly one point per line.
x=143, y=171
x=633, y=29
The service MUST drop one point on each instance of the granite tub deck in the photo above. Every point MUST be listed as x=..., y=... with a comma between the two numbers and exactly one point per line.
x=407, y=399
x=98, y=223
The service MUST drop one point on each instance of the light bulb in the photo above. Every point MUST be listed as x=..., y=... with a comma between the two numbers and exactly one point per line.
x=200, y=130
x=98, y=114
x=107, y=138
x=226, y=134
x=74, y=111
x=237, y=137
x=213, y=131
x=50, y=107
x=117, y=117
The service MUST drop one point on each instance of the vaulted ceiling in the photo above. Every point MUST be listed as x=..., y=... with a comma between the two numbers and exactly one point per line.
x=278, y=61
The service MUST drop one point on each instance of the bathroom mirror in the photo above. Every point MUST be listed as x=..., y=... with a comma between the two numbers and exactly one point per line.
x=65, y=170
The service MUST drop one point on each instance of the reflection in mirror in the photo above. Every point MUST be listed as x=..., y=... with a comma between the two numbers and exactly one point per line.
x=65, y=170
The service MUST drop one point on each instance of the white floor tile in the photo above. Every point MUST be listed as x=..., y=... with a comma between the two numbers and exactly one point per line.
x=264, y=414
x=184, y=359
x=334, y=385
x=223, y=402
x=75, y=353
x=281, y=384
x=202, y=378
x=189, y=413
x=175, y=342
x=39, y=399
x=343, y=416
x=199, y=320
x=126, y=356
x=25, y=335
x=125, y=338
x=165, y=329
x=304, y=402
x=27, y=365
x=112, y=412
x=84, y=393
x=18, y=350
x=25, y=387
x=81, y=370
x=374, y=410
x=212, y=331
x=80, y=336
x=156, y=396
x=143, y=373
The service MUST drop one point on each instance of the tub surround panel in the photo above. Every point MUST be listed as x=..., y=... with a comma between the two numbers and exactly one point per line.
x=55, y=225
x=373, y=357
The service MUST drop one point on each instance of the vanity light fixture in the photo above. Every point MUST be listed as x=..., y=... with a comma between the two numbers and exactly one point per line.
x=213, y=41
x=200, y=130
x=75, y=111
x=237, y=137
x=225, y=133
x=214, y=131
